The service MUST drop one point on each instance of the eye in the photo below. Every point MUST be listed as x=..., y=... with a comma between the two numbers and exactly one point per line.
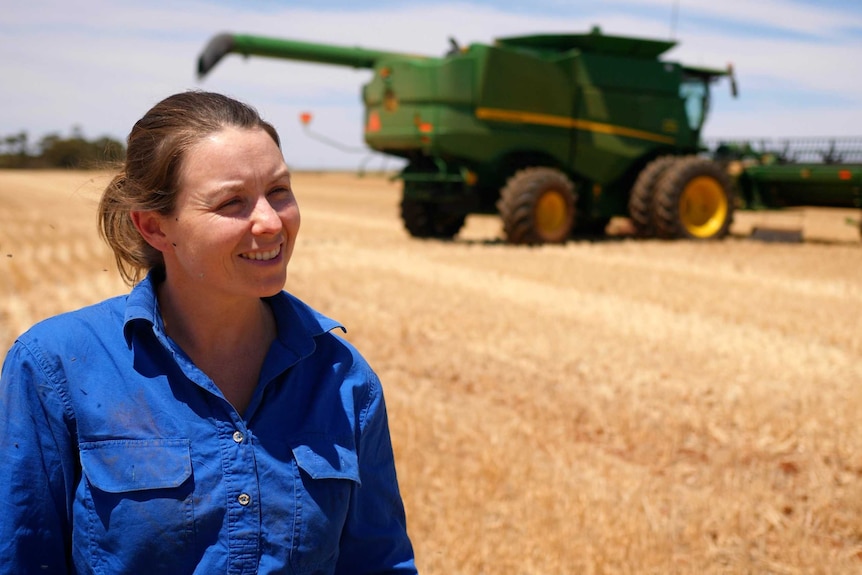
x=228, y=204
x=281, y=194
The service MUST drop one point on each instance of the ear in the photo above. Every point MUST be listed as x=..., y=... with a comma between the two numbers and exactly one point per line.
x=149, y=225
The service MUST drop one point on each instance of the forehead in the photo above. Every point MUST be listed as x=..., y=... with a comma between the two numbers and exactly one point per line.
x=231, y=155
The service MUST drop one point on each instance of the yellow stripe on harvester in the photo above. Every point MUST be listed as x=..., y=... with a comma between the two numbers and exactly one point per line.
x=565, y=122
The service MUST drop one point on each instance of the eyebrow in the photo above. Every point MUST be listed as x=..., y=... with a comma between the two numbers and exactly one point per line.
x=283, y=172
x=235, y=186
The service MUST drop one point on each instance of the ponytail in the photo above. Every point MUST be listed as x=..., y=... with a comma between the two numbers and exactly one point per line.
x=133, y=255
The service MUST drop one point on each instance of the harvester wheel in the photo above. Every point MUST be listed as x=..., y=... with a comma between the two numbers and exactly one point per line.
x=643, y=192
x=693, y=199
x=537, y=206
x=424, y=219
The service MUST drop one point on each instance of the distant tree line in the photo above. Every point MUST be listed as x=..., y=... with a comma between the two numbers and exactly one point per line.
x=55, y=151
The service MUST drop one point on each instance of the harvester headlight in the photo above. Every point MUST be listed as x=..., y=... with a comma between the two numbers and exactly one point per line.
x=424, y=127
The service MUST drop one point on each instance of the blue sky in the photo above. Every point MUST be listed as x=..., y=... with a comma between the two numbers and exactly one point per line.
x=100, y=64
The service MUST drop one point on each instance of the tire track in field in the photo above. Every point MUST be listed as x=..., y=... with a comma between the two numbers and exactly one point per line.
x=716, y=341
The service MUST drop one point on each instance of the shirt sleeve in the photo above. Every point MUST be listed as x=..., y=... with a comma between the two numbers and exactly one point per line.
x=37, y=473
x=375, y=539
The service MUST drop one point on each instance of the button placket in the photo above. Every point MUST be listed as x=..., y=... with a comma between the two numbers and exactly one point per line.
x=244, y=531
x=243, y=499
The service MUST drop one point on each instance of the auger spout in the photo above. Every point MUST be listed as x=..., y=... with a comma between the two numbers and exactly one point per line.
x=223, y=44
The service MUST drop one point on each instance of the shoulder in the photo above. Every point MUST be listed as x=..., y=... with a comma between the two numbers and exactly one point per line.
x=42, y=359
x=318, y=339
x=77, y=327
x=71, y=336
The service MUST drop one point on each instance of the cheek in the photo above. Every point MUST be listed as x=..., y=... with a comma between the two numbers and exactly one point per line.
x=202, y=240
x=291, y=219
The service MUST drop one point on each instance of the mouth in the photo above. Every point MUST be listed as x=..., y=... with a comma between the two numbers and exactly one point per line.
x=262, y=256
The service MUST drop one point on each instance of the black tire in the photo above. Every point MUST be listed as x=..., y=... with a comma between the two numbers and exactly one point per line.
x=643, y=192
x=537, y=206
x=424, y=219
x=693, y=199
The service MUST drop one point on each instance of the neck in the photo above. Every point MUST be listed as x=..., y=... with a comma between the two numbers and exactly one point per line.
x=203, y=325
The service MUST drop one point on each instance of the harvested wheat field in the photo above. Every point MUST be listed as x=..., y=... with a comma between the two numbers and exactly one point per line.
x=614, y=406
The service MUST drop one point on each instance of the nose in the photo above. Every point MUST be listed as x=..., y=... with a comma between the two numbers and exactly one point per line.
x=265, y=220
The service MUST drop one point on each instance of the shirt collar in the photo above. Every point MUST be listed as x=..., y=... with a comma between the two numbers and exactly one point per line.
x=142, y=308
x=297, y=323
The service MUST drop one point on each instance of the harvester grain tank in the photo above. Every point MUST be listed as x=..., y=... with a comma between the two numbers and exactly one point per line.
x=557, y=133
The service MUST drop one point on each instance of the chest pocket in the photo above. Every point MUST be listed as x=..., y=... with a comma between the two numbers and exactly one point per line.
x=328, y=475
x=120, y=466
x=136, y=500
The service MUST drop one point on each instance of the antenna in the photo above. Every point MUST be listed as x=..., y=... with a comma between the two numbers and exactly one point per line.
x=673, y=18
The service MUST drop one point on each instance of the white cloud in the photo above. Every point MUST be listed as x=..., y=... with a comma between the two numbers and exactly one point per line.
x=101, y=64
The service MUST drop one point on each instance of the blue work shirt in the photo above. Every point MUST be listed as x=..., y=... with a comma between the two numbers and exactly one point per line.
x=120, y=456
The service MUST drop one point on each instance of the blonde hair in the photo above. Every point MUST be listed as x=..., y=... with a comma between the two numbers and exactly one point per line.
x=147, y=179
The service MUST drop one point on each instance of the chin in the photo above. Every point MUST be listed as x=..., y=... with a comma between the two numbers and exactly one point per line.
x=270, y=288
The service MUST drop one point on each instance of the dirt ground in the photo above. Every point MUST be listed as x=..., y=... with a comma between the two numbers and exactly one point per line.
x=614, y=406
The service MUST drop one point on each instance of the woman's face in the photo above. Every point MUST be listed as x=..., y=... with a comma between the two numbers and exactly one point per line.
x=235, y=223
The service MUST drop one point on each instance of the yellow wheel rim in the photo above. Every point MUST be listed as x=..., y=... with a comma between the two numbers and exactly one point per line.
x=703, y=207
x=551, y=216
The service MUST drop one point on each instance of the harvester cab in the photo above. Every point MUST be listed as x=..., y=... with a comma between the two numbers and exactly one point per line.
x=556, y=133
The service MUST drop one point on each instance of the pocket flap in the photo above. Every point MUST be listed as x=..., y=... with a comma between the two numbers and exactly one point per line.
x=326, y=458
x=121, y=465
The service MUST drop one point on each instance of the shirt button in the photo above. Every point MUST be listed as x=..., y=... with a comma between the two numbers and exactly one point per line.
x=244, y=499
x=237, y=436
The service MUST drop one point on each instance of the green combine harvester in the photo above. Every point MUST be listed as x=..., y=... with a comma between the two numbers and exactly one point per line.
x=555, y=133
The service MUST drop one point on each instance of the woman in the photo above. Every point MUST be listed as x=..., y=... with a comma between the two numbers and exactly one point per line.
x=207, y=422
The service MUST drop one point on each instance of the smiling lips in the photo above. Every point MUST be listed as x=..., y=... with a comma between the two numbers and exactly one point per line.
x=262, y=256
